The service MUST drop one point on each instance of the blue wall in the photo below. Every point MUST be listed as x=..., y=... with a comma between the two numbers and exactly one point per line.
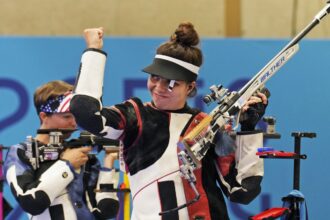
x=299, y=101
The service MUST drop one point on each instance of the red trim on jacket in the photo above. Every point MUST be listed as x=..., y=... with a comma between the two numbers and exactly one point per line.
x=139, y=120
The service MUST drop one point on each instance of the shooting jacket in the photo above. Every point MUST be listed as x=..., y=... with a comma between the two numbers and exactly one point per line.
x=150, y=138
x=56, y=191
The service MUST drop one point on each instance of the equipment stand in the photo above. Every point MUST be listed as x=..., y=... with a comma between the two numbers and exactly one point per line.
x=294, y=201
x=291, y=209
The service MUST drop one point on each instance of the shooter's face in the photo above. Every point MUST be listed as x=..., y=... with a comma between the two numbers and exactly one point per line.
x=60, y=121
x=165, y=99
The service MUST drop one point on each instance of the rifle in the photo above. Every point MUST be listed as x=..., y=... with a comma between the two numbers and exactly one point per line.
x=38, y=152
x=198, y=141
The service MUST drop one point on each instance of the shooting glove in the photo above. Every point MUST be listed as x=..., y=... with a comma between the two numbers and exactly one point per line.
x=251, y=117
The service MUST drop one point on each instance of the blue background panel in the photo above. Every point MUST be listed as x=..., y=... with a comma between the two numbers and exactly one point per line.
x=299, y=99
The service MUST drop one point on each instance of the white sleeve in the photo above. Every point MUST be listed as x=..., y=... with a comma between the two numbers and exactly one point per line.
x=244, y=185
x=107, y=178
x=90, y=78
x=53, y=181
x=247, y=162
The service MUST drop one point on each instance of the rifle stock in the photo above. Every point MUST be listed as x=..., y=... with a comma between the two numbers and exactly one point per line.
x=196, y=131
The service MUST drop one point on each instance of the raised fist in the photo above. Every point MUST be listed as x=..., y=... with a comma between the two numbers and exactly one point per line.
x=94, y=37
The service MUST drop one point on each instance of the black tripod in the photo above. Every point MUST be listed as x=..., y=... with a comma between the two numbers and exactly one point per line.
x=293, y=200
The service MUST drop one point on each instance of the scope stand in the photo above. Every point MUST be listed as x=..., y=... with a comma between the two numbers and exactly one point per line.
x=293, y=211
x=294, y=201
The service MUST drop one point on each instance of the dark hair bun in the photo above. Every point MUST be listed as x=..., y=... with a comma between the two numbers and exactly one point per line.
x=185, y=35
